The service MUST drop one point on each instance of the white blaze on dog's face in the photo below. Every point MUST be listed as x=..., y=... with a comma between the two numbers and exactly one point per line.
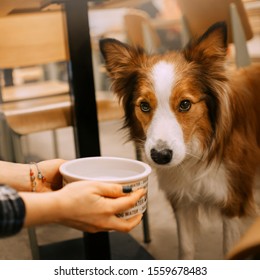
x=171, y=108
x=164, y=142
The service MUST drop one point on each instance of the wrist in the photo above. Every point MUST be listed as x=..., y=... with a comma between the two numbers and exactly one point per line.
x=15, y=175
x=37, y=179
x=62, y=205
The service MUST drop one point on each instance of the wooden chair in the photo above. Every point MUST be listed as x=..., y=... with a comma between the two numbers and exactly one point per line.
x=198, y=15
x=28, y=40
x=140, y=31
x=37, y=39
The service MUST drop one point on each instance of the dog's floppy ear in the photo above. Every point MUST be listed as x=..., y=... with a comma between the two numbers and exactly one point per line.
x=119, y=57
x=210, y=47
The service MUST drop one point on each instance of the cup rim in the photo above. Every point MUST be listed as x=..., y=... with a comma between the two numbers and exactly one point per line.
x=147, y=170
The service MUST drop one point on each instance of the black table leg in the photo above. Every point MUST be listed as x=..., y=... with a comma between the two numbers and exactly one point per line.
x=8, y=77
x=84, y=103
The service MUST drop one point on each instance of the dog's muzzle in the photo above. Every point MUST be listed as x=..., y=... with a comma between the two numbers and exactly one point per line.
x=163, y=156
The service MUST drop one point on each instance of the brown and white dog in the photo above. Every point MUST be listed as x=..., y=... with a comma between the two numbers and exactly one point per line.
x=198, y=124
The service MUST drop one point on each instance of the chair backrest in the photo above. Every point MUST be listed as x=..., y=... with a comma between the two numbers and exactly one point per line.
x=139, y=30
x=200, y=14
x=32, y=39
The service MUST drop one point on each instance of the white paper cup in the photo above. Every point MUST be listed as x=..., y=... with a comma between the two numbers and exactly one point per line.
x=123, y=171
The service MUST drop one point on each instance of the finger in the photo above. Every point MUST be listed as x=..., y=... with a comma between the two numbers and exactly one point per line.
x=125, y=225
x=127, y=202
x=110, y=189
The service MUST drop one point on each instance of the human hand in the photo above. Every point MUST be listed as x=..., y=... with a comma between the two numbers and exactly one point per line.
x=92, y=206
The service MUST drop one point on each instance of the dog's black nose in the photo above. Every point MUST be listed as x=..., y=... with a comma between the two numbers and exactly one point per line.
x=162, y=156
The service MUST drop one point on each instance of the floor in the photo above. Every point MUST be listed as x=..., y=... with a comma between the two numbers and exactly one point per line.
x=163, y=243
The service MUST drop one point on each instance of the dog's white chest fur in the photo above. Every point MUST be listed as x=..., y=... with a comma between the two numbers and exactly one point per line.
x=195, y=182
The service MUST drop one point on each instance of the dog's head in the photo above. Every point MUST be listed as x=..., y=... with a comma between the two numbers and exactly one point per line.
x=176, y=104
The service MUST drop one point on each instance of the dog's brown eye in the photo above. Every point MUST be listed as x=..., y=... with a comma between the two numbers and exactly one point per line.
x=145, y=107
x=184, y=106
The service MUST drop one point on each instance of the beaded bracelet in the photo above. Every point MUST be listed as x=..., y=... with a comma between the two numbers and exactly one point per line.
x=33, y=178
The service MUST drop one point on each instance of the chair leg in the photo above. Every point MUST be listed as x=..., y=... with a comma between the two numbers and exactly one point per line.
x=146, y=229
x=6, y=148
x=55, y=143
x=17, y=146
x=33, y=244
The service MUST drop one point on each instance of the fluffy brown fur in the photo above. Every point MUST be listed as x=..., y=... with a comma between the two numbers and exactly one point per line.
x=224, y=118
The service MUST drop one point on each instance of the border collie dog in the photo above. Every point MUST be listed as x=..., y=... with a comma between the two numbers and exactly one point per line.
x=198, y=125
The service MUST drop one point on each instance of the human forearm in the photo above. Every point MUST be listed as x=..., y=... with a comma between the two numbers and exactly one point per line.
x=18, y=176
x=41, y=209
x=15, y=175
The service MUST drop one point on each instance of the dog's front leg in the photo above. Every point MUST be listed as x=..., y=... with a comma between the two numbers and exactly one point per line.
x=231, y=233
x=187, y=227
